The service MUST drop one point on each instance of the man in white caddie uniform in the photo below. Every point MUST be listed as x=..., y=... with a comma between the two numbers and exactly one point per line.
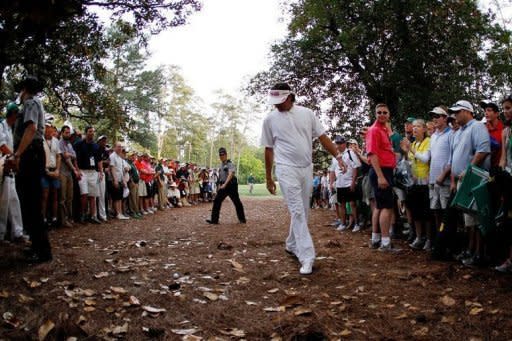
x=287, y=136
x=10, y=209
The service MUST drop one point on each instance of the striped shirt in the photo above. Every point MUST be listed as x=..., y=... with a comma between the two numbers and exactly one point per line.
x=440, y=154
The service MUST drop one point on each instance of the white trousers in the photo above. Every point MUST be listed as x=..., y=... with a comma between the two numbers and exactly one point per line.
x=102, y=212
x=296, y=185
x=10, y=209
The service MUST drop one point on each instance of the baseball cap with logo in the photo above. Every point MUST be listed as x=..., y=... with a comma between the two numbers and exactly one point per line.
x=462, y=105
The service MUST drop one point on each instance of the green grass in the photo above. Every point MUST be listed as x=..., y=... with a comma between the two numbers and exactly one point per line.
x=260, y=190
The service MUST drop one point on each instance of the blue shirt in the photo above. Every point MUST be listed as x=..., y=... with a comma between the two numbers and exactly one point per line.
x=470, y=139
x=316, y=181
x=440, y=149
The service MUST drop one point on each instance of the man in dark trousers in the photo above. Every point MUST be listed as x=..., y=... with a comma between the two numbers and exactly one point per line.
x=30, y=161
x=228, y=186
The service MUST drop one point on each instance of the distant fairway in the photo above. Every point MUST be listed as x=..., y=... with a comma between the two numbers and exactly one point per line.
x=260, y=190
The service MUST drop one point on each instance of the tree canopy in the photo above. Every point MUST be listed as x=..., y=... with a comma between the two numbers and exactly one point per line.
x=345, y=56
x=65, y=44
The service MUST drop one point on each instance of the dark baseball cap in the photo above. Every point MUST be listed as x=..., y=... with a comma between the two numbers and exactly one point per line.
x=222, y=150
x=340, y=140
x=489, y=104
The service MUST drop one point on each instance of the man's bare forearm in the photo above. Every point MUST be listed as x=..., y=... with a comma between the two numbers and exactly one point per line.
x=269, y=162
x=374, y=162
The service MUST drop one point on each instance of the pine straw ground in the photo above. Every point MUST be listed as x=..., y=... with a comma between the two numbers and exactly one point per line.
x=235, y=281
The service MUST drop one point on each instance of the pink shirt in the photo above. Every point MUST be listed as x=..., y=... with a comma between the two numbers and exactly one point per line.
x=378, y=143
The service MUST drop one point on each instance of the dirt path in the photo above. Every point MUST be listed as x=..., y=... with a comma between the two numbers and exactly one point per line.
x=233, y=281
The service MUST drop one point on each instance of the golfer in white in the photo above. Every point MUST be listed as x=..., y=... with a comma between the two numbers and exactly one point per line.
x=287, y=136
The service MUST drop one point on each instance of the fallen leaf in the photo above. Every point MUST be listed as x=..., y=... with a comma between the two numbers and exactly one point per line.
x=251, y=303
x=345, y=332
x=185, y=331
x=291, y=301
x=101, y=275
x=120, y=329
x=236, y=266
x=4, y=294
x=233, y=332
x=475, y=311
x=423, y=331
x=242, y=280
x=134, y=301
x=118, y=290
x=153, y=310
x=336, y=303
x=89, y=309
x=11, y=320
x=34, y=284
x=89, y=292
x=273, y=291
x=494, y=311
x=81, y=320
x=192, y=338
x=302, y=311
x=44, y=329
x=447, y=301
x=401, y=316
x=448, y=319
x=24, y=299
x=90, y=302
x=274, y=309
x=211, y=296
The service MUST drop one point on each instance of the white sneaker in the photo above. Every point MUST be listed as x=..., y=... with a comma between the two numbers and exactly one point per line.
x=356, y=228
x=342, y=227
x=122, y=217
x=306, y=268
x=150, y=211
x=145, y=212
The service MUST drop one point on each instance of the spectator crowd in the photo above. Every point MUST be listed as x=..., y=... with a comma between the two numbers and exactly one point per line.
x=409, y=186
x=87, y=181
x=412, y=186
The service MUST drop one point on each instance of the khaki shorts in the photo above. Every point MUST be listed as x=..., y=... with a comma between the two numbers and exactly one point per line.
x=89, y=183
x=439, y=196
x=400, y=193
x=143, y=192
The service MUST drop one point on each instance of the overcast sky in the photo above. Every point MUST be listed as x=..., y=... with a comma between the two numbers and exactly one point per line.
x=228, y=42
x=224, y=44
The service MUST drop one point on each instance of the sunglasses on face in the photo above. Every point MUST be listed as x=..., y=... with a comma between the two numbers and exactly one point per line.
x=436, y=116
x=222, y=154
x=382, y=112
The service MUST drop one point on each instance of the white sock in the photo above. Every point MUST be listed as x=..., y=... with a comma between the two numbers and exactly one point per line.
x=386, y=241
x=375, y=237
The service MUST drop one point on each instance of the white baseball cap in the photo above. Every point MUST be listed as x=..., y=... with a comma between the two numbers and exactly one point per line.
x=278, y=96
x=438, y=111
x=462, y=105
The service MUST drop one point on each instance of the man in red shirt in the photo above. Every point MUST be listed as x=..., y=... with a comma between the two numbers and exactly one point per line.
x=495, y=129
x=383, y=161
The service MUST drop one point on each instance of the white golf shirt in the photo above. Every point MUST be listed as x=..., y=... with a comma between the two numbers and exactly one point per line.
x=344, y=180
x=291, y=135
